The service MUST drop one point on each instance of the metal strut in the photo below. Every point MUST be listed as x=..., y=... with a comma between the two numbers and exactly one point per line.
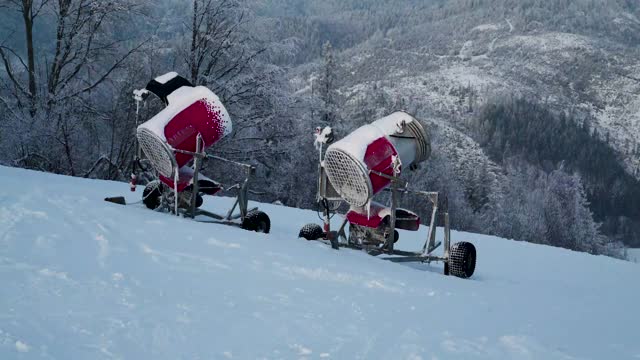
x=197, y=164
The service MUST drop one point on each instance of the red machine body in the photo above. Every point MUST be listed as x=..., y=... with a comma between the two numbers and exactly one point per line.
x=205, y=117
x=379, y=157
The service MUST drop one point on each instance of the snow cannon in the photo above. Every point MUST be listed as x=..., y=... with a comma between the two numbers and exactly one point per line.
x=169, y=138
x=175, y=141
x=363, y=164
x=356, y=165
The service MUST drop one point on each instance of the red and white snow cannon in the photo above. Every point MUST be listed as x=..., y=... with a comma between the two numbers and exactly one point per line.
x=169, y=139
x=174, y=142
x=369, y=160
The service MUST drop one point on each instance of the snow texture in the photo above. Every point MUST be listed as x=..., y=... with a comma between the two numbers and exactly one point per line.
x=162, y=79
x=486, y=27
x=86, y=279
x=140, y=94
x=356, y=143
x=322, y=137
x=391, y=124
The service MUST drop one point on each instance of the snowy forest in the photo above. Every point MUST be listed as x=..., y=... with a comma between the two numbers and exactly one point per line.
x=533, y=106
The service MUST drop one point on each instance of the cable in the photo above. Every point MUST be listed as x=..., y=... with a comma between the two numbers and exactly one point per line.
x=325, y=205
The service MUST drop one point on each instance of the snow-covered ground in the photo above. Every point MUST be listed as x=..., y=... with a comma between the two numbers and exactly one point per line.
x=633, y=255
x=85, y=279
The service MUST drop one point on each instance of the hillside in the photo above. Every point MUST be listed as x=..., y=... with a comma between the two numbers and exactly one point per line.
x=447, y=62
x=284, y=67
x=424, y=54
x=83, y=278
x=579, y=56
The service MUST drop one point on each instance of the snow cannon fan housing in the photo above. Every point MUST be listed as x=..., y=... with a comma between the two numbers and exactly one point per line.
x=190, y=110
x=351, y=163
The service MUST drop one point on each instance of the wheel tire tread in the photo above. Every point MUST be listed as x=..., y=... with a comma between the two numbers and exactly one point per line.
x=253, y=218
x=462, y=259
x=151, y=194
x=311, y=232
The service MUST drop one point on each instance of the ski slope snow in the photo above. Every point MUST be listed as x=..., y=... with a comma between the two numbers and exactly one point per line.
x=86, y=279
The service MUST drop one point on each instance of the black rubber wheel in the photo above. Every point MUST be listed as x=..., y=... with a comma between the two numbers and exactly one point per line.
x=152, y=193
x=396, y=236
x=257, y=221
x=311, y=232
x=462, y=260
x=199, y=200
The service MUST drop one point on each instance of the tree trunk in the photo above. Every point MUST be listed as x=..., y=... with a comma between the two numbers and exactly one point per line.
x=194, y=44
x=27, y=12
x=67, y=145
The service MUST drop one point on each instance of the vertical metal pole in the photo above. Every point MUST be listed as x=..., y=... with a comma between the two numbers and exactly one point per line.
x=392, y=225
x=326, y=220
x=326, y=214
x=447, y=236
x=321, y=186
x=327, y=225
x=430, y=244
x=176, y=177
x=447, y=243
x=396, y=163
x=136, y=157
x=138, y=153
x=196, y=164
x=243, y=198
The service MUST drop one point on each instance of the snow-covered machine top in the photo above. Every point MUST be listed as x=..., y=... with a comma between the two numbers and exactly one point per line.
x=385, y=147
x=190, y=111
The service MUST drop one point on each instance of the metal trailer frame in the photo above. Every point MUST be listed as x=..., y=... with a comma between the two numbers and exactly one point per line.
x=339, y=239
x=242, y=199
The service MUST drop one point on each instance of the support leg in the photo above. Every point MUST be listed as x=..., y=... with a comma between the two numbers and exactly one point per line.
x=196, y=165
x=392, y=223
x=176, y=177
x=327, y=225
x=447, y=243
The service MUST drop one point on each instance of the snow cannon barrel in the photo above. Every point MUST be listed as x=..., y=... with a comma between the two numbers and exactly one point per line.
x=190, y=110
x=397, y=140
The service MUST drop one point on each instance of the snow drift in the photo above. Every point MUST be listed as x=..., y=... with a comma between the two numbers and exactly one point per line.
x=86, y=279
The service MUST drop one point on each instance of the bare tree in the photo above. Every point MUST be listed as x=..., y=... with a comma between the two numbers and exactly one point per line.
x=56, y=88
x=29, y=10
x=220, y=50
x=223, y=56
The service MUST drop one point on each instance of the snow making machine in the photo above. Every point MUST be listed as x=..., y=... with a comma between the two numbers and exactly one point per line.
x=174, y=142
x=365, y=163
